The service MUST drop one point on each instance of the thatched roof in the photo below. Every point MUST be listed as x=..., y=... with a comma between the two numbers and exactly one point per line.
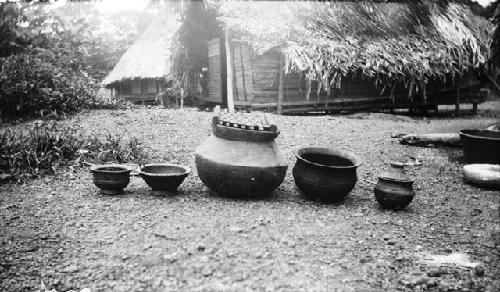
x=408, y=41
x=495, y=45
x=150, y=55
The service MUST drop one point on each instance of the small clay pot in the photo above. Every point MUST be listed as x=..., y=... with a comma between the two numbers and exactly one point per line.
x=111, y=178
x=394, y=189
x=162, y=177
x=324, y=173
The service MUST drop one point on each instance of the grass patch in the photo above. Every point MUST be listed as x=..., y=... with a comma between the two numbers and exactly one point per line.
x=46, y=148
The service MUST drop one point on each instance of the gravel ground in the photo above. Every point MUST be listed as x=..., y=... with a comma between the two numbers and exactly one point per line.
x=61, y=231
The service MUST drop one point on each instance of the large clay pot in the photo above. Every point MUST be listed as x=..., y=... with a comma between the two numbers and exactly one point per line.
x=394, y=189
x=324, y=173
x=239, y=162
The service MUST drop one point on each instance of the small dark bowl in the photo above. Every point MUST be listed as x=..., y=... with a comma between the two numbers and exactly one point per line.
x=324, y=173
x=481, y=146
x=111, y=178
x=162, y=177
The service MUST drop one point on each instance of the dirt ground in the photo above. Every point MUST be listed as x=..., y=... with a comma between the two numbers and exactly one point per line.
x=61, y=231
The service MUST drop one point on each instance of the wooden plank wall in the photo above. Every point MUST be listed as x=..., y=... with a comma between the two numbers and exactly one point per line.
x=257, y=77
x=214, y=71
x=243, y=72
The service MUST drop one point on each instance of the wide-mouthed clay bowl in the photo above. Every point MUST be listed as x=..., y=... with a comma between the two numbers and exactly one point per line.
x=164, y=177
x=325, y=173
x=483, y=175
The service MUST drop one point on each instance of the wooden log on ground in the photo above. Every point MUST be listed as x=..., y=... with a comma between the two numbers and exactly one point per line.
x=436, y=139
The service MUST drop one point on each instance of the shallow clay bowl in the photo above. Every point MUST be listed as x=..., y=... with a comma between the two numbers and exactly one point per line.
x=111, y=178
x=325, y=173
x=162, y=177
x=483, y=175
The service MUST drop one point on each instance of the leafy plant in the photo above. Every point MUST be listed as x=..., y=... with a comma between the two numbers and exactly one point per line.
x=46, y=147
x=169, y=96
x=113, y=148
x=38, y=83
x=51, y=61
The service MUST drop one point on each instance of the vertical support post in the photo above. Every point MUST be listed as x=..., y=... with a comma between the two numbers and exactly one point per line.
x=229, y=72
x=280, y=85
x=457, y=100
x=182, y=98
x=243, y=73
x=326, y=98
x=223, y=73
x=474, y=108
x=424, y=92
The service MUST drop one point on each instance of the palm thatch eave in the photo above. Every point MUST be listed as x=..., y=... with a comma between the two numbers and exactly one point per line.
x=405, y=41
x=150, y=56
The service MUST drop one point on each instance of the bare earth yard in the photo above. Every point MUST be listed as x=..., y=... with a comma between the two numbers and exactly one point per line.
x=62, y=231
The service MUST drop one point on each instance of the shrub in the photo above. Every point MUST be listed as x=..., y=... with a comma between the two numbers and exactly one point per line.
x=45, y=148
x=113, y=148
x=34, y=83
x=169, y=96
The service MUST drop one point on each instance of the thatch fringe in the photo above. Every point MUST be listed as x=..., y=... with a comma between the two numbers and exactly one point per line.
x=150, y=55
x=397, y=41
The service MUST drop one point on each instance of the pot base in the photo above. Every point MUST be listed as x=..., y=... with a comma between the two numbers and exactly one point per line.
x=160, y=193
x=239, y=181
x=392, y=201
x=111, y=192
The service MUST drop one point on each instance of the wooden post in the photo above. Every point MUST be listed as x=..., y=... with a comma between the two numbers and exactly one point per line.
x=229, y=72
x=223, y=73
x=280, y=85
x=457, y=101
x=326, y=98
x=243, y=72
x=474, y=108
x=424, y=92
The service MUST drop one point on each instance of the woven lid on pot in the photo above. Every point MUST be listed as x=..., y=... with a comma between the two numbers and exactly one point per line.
x=240, y=126
x=395, y=173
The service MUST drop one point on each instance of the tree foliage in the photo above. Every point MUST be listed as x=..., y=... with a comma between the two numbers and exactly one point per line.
x=42, y=65
x=39, y=82
x=52, y=59
x=495, y=44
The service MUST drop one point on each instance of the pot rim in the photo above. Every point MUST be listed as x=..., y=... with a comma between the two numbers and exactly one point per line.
x=473, y=133
x=237, y=134
x=124, y=168
x=355, y=159
x=396, y=180
x=187, y=170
